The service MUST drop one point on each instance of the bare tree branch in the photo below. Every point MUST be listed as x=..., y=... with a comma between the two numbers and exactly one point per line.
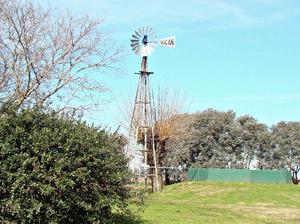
x=42, y=55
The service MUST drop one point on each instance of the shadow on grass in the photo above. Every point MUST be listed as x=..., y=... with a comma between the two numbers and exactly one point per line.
x=126, y=220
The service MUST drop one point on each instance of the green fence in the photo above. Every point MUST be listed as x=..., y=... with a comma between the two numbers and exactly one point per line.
x=236, y=175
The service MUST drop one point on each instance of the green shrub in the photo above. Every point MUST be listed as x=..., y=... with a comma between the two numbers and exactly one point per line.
x=55, y=169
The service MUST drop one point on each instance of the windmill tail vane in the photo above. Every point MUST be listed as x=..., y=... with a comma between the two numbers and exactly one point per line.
x=168, y=42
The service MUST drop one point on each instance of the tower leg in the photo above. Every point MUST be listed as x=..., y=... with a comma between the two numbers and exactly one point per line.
x=155, y=181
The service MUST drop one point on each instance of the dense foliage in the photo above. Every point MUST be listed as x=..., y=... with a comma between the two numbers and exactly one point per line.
x=54, y=169
x=222, y=140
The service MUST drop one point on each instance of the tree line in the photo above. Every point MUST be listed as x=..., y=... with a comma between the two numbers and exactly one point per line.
x=219, y=139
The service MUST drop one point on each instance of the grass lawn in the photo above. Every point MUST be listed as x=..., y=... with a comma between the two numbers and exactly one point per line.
x=213, y=202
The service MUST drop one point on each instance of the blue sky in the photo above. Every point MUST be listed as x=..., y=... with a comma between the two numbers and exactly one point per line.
x=230, y=54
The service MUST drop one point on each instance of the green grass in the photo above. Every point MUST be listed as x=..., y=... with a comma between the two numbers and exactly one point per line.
x=212, y=202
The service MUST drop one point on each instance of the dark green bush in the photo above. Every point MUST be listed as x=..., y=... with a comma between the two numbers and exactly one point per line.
x=55, y=169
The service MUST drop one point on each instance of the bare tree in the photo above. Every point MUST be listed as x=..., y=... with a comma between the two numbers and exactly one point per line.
x=166, y=105
x=47, y=59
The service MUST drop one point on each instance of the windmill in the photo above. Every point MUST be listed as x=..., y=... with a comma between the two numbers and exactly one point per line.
x=141, y=131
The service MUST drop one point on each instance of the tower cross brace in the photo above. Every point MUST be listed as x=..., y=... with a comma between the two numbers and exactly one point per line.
x=142, y=122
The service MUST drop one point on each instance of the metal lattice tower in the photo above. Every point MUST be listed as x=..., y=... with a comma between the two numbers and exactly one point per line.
x=142, y=130
x=142, y=124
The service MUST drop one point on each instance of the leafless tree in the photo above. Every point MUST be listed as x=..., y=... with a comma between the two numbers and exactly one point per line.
x=167, y=104
x=49, y=59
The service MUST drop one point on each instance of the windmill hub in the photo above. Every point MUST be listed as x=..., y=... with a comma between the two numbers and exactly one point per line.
x=145, y=40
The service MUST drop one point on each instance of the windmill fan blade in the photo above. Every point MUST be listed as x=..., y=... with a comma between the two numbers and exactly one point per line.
x=134, y=41
x=147, y=30
x=134, y=45
x=150, y=30
x=140, y=31
x=146, y=50
x=153, y=37
x=152, y=45
x=135, y=37
x=150, y=48
x=142, y=51
x=152, y=33
x=154, y=41
x=137, y=34
x=137, y=50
